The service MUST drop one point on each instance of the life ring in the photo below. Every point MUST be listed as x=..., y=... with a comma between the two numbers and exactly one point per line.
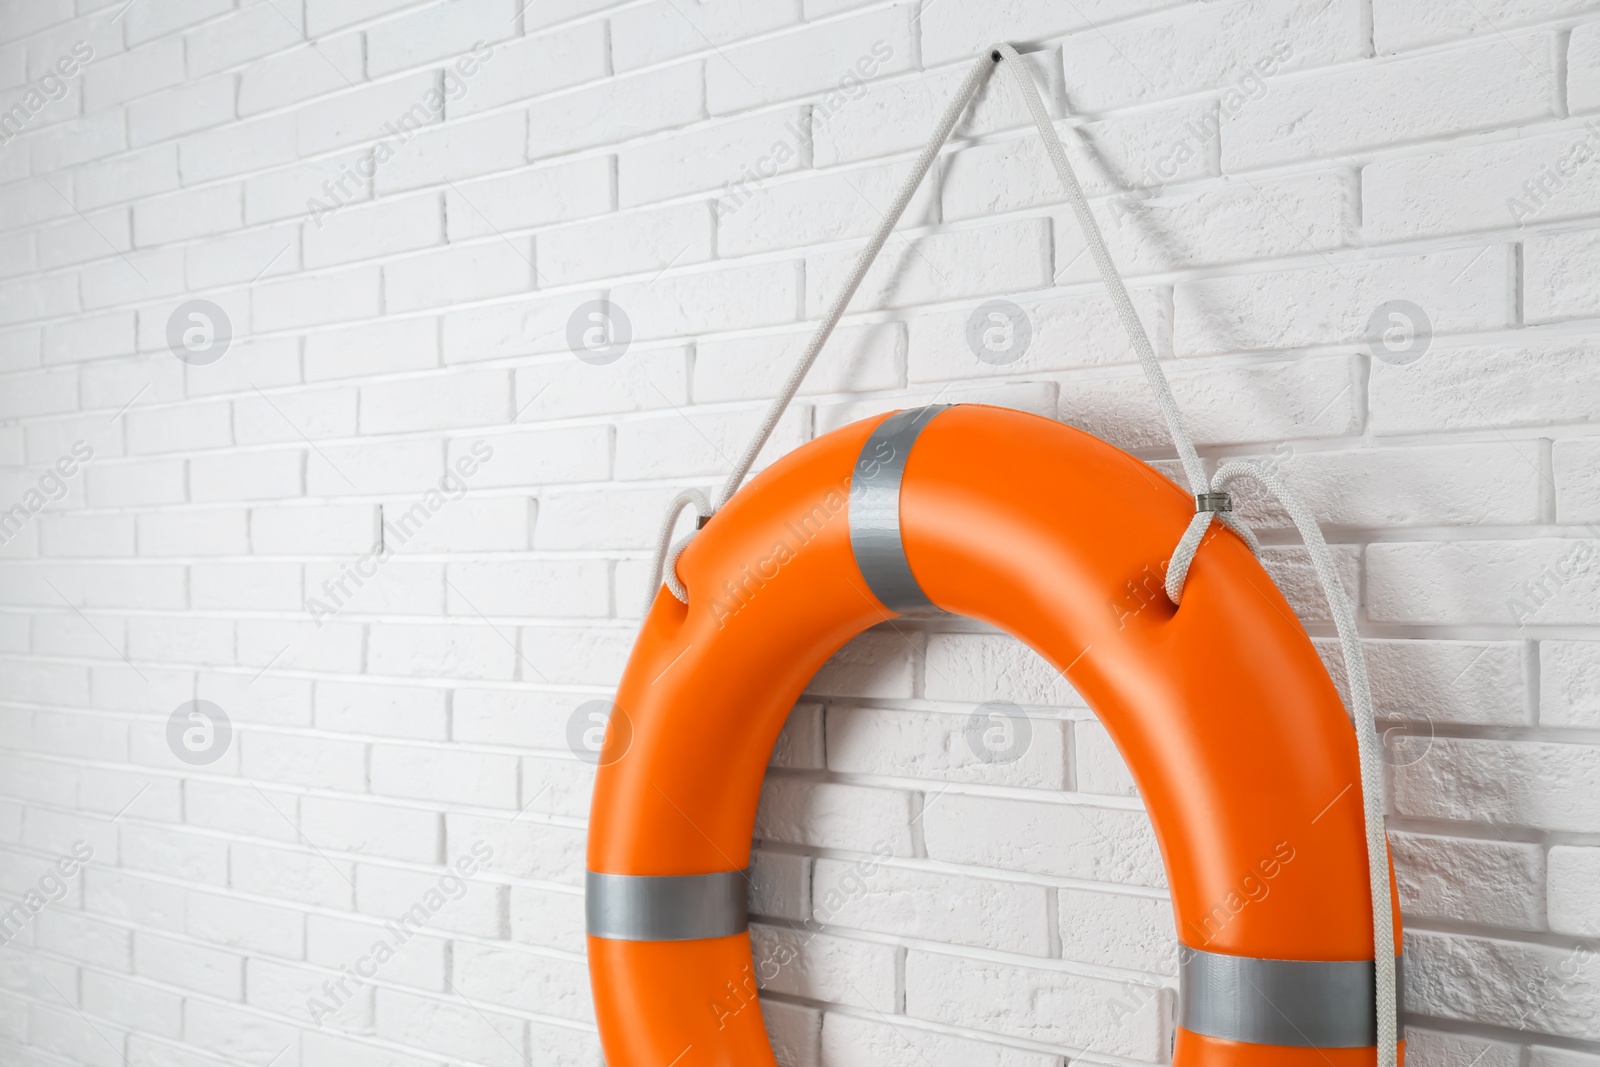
x=1228, y=721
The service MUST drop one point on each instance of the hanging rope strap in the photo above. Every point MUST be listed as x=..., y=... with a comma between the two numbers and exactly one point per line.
x=1212, y=500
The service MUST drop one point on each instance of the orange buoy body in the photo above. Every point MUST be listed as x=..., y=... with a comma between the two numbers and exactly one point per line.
x=1226, y=717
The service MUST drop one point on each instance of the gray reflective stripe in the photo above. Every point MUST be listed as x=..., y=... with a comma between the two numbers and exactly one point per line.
x=685, y=907
x=1300, y=1003
x=875, y=509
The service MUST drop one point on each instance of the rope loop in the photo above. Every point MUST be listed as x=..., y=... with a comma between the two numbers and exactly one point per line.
x=668, y=550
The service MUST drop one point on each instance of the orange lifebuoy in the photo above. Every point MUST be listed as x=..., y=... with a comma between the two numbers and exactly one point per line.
x=1225, y=715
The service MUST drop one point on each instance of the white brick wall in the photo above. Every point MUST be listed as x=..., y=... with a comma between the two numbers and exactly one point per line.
x=398, y=533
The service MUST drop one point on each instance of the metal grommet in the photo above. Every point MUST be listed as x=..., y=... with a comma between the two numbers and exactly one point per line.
x=700, y=521
x=1213, y=502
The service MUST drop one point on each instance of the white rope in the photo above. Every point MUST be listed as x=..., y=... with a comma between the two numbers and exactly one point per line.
x=1368, y=745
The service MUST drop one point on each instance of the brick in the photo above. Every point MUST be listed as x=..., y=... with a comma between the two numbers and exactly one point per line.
x=451, y=1028
x=436, y=403
x=1465, y=388
x=253, y=31
x=525, y=848
x=1463, y=485
x=318, y=188
x=338, y=941
x=1500, y=83
x=303, y=877
x=116, y=79
x=1432, y=1049
x=892, y=116
x=1461, y=290
x=1495, y=883
x=861, y=357
x=853, y=1041
x=1583, y=66
x=1554, y=267
x=973, y=668
x=516, y=328
x=1568, y=671
x=1066, y=840
x=1167, y=145
x=537, y=587
x=132, y=1004
x=1533, y=180
x=654, y=33
x=254, y=475
x=946, y=747
x=1043, y=1005
x=1099, y=766
x=803, y=963
x=1193, y=50
x=533, y=197
x=1003, y=916
x=230, y=921
x=615, y=110
x=456, y=150
x=310, y=300
x=326, y=65
x=1313, y=397
x=832, y=59
x=1011, y=256
x=182, y=216
x=371, y=231
x=523, y=979
x=1398, y=26
x=839, y=816
x=1231, y=223
x=196, y=105
x=1500, y=982
x=435, y=33
x=753, y=217
x=572, y=454
x=1577, y=495
x=370, y=113
x=1540, y=581
x=712, y=157
x=534, y=66
x=1443, y=681
x=672, y=305
x=371, y=348
x=294, y=417
x=498, y=267
x=1574, y=875
x=146, y=25
x=129, y=176
x=1525, y=783
x=647, y=241
x=1113, y=929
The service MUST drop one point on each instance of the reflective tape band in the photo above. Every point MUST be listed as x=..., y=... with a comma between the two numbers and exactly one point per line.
x=681, y=907
x=875, y=509
x=1298, y=1003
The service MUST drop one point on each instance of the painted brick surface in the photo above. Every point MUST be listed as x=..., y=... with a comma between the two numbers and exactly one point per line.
x=398, y=532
